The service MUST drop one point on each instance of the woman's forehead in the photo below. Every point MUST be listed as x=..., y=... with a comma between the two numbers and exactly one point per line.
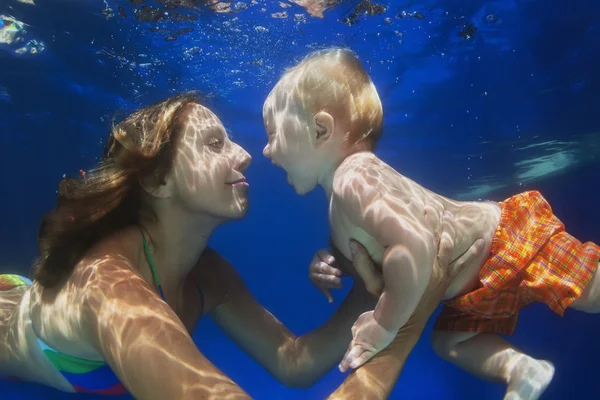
x=201, y=118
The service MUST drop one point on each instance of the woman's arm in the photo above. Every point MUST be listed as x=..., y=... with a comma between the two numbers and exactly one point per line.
x=144, y=342
x=377, y=378
x=294, y=361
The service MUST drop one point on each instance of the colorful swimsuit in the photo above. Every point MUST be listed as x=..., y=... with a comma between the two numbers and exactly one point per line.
x=86, y=376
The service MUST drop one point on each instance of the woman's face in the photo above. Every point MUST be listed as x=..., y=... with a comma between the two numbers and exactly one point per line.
x=207, y=174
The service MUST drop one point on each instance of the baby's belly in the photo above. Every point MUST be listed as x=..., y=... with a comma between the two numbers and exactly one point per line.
x=481, y=224
x=464, y=279
x=467, y=279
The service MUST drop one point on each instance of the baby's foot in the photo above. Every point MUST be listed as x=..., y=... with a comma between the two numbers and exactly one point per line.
x=529, y=379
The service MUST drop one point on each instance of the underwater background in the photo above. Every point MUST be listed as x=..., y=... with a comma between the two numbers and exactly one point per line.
x=482, y=100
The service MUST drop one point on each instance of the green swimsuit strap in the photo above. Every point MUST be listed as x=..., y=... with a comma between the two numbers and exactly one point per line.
x=149, y=258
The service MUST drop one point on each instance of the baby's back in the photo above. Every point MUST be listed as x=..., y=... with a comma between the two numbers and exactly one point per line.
x=382, y=186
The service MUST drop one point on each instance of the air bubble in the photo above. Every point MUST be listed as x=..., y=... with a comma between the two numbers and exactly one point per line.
x=239, y=6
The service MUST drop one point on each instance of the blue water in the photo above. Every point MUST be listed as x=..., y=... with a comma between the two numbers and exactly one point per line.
x=513, y=107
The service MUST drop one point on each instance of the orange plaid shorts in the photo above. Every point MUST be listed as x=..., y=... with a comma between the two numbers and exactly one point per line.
x=532, y=260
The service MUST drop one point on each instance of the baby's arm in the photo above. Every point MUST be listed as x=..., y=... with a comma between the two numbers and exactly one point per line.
x=407, y=265
x=406, y=272
x=406, y=276
x=376, y=379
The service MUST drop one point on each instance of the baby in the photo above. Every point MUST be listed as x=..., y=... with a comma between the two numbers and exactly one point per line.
x=323, y=119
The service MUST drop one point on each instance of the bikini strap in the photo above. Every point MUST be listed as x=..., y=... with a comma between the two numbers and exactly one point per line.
x=154, y=274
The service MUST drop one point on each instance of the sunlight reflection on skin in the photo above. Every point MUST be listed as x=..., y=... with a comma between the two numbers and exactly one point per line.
x=114, y=287
x=386, y=194
x=203, y=161
x=107, y=311
x=377, y=377
x=21, y=356
x=95, y=298
x=365, y=178
x=389, y=214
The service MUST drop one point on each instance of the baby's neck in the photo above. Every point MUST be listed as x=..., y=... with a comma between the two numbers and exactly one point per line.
x=326, y=178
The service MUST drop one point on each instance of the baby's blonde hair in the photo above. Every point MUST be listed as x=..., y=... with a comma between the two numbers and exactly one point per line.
x=334, y=80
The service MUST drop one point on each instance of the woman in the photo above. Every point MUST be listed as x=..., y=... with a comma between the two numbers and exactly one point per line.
x=125, y=273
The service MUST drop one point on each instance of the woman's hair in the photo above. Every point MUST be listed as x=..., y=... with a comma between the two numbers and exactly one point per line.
x=109, y=197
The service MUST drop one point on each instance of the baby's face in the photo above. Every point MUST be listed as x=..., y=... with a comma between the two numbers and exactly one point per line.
x=290, y=144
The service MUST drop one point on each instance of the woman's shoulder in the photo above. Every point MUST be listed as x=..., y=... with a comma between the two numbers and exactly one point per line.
x=212, y=263
x=215, y=277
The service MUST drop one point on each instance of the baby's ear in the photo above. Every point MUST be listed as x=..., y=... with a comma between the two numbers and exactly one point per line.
x=325, y=125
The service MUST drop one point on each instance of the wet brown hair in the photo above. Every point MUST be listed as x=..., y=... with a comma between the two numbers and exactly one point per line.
x=108, y=198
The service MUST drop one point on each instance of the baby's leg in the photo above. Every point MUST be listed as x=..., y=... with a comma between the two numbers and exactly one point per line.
x=589, y=301
x=493, y=358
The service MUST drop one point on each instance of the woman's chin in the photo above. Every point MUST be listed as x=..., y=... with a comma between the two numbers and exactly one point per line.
x=239, y=209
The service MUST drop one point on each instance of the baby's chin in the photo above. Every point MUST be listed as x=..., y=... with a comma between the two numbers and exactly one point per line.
x=300, y=187
x=302, y=190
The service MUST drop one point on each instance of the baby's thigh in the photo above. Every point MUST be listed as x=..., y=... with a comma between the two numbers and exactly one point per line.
x=443, y=342
x=589, y=301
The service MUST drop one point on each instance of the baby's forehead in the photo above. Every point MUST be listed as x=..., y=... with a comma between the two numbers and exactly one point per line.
x=269, y=106
x=282, y=99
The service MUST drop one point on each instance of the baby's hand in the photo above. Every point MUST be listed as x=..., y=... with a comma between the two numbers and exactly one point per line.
x=368, y=339
x=323, y=273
